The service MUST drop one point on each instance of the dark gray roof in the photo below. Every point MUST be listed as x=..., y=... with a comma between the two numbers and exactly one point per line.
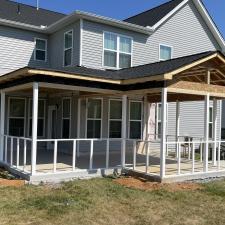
x=146, y=70
x=22, y=13
x=154, y=15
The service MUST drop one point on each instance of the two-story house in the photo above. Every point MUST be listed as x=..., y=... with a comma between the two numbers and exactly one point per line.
x=84, y=95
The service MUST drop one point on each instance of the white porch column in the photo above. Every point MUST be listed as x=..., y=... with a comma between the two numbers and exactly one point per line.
x=206, y=133
x=34, y=128
x=146, y=118
x=177, y=124
x=78, y=125
x=2, y=128
x=214, y=131
x=124, y=127
x=163, y=133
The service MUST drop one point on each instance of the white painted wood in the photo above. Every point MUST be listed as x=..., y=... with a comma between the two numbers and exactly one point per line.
x=124, y=128
x=134, y=154
x=34, y=128
x=220, y=130
x=55, y=156
x=107, y=154
x=147, y=157
x=178, y=158
x=91, y=155
x=24, y=154
x=214, y=131
x=206, y=133
x=6, y=149
x=2, y=125
x=17, y=152
x=193, y=157
x=11, y=151
x=177, y=124
x=81, y=42
x=74, y=154
x=163, y=133
x=78, y=125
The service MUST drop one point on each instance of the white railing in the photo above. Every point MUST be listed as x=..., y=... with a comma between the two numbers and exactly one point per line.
x=12, y=145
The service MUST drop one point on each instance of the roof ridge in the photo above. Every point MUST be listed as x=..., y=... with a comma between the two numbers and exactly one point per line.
x=150, y=9
x=31, y=6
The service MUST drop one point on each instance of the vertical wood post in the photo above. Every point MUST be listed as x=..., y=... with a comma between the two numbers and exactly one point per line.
x=177, y=125
x=78, y=126
x=163, y=133
x=124, y=127
x=34, y=128
x=206, y=133
x=2, y=125
x=214, y=131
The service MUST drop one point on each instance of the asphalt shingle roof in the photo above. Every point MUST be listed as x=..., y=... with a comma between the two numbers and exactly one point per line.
x=154, y=15
x=146, y=70
x=22, y=13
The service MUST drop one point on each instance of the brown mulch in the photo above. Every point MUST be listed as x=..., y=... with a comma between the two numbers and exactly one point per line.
x=143, y=184
x=12, y=183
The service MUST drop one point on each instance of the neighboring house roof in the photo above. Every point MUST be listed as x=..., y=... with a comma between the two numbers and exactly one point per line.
x=137, y=73
x=154, y=15
x=22, y=13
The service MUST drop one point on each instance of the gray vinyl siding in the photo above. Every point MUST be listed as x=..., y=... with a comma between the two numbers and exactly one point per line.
x=185, y=31
x=17, y=49
x=57, y=46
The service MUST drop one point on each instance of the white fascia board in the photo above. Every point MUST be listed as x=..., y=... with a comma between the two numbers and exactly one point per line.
x=114, y=22
x=204, y=13
x=171, y=13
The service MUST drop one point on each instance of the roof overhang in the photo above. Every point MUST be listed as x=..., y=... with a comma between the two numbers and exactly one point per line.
x=29, y=72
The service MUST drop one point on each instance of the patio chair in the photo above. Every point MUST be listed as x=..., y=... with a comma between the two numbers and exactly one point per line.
x=187, y=146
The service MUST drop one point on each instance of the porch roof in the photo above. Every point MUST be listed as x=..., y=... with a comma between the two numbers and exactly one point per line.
x=189, y=72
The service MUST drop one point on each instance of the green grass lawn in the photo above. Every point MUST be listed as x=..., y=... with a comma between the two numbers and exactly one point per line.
x=101, y=201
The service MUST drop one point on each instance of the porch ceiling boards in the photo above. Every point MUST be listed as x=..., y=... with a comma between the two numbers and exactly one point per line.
x=191, y=76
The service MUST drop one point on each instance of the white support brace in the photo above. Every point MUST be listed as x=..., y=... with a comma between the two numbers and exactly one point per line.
x=214, y=131
x=163, y=133
x=206, y=133
x=34, y=128
x=2, y=125
x=124, y=127
x=177, y=124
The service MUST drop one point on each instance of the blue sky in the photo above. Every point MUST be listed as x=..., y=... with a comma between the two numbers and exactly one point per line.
x=121, y=9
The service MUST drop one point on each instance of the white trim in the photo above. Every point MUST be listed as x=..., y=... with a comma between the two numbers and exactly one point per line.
x=45, y=50
x=168, y=46
x=130, y=101
x=2, y=127
x=117, y=51
x=67, y=118
x=101, y=119
x=81, y=42
x=117, y=120
x=8, y=113
x=65, y=49
x=171, y=13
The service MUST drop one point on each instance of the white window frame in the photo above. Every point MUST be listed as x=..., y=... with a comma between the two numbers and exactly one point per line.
x=87, y=119
x=211, y=122
x=130, y=101
x=46, y=49
x=30, y=117
x=117, y=50
x=9, y=117
x=168, y=46
x=68, y=118
x=65, y=49
x=117, y=120
x=157, y=120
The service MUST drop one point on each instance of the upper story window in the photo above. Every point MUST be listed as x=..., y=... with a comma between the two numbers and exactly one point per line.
x=117, y=51
x=68, y=48
x=165, y=52
x=40, y=49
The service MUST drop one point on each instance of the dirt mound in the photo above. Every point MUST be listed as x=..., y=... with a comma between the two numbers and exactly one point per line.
x=143, y=184
x=12, y=183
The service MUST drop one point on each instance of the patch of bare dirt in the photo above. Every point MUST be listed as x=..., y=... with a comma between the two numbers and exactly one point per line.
x=143, y=184
x=12, y=183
